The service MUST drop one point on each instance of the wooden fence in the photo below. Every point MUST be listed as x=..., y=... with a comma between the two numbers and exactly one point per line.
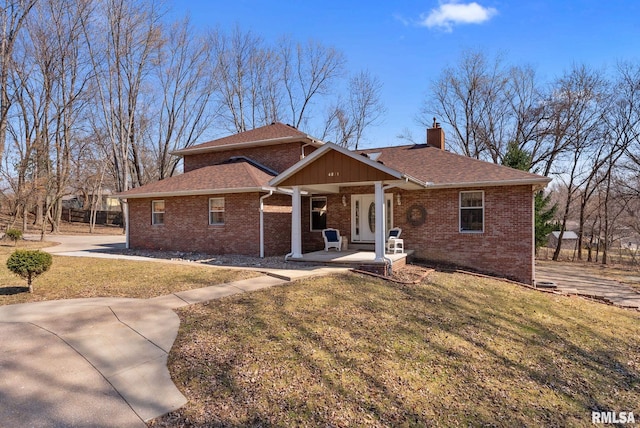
x=84, y=216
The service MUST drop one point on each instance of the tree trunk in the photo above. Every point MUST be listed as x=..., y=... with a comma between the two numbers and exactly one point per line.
x=25, y=215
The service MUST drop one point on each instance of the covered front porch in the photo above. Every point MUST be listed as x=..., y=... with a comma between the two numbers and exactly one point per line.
x=356, y=259
x=326, y=176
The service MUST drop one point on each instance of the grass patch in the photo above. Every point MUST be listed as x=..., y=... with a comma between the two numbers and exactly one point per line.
x=352, y=350
x=75, y=277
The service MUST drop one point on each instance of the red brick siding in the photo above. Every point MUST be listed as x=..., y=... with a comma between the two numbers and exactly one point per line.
x=277, y=157
x=338, y=217
x=186, y=225
x=277, y=221
x=505, y=248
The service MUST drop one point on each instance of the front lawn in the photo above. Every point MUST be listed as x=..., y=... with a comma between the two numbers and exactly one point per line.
x=75, y=277
x=351, y=350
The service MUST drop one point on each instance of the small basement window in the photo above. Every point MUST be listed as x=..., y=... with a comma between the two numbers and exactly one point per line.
x=472, y=211
x=216, y=211
x=318, y=213
x=157, y=212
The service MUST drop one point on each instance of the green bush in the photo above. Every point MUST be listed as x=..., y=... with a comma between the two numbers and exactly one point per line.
x=28, y=264
x=14, y=234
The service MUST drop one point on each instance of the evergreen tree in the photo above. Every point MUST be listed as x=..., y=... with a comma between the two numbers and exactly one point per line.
x=518, y=158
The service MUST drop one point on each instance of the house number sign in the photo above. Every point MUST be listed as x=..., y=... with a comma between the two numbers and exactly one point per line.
x=416, y=215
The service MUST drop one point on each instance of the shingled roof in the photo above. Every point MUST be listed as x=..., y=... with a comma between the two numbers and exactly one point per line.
x=276, y=133
x=423, y=165
x=440, y=168
x=232, y=177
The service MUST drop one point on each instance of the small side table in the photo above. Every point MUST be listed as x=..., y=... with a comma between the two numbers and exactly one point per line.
x=345, y=243
x=395, y=245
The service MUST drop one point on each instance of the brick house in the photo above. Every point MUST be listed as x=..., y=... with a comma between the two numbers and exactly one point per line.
x=271, y=191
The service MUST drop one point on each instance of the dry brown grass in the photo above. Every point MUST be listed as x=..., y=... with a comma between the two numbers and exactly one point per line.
x=75, y=277
x=66, y=228
x=352, y=350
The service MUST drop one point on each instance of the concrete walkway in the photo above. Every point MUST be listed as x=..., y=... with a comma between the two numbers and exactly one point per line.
x=574, y=280
x=99, y=362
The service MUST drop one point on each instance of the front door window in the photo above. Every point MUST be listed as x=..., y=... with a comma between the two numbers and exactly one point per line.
x=372, y=217
x=363, y=217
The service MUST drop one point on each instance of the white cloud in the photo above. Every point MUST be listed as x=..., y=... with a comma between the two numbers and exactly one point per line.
x=453, y=13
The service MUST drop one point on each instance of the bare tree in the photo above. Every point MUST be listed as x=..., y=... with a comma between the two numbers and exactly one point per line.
x=473, y=98
x=186, y=84
x=310, y=71
x=123, y=40
x=581, y=100
x=348, y=120
x=249, y=80
x=527, y=113
x=13, y=14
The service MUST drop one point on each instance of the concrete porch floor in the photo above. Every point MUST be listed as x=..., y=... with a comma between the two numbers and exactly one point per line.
x=357, y=259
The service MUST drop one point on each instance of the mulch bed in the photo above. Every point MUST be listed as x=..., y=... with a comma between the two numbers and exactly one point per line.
x=408, y=274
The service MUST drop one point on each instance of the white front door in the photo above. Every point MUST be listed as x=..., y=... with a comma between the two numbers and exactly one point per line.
x=363, y=217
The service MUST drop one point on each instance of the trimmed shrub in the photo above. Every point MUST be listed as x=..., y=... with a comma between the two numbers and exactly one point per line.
x=14, y=234
x=28, y=264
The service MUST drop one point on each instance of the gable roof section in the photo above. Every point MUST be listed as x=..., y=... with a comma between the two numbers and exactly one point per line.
x=568, y=234
x=334, y=164
x=420, y=164
x=234, y=177
x=276, y=133
x=439, y=168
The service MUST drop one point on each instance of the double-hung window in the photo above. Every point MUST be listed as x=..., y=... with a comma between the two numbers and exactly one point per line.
x=157, y=212
x=216, y=211
x=472, y=212
x=318, y=213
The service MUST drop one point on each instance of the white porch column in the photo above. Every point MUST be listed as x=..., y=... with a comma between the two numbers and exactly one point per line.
x=125, y=216
x=296, y=223
x=380, y=221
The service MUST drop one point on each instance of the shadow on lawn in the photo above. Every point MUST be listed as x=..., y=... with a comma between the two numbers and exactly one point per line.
x=10, y=291
x=583, y=365
x=394, y=355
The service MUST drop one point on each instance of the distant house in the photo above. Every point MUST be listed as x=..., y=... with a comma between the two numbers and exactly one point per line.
x=569, y=240
x=272, y=190
x=105, y=202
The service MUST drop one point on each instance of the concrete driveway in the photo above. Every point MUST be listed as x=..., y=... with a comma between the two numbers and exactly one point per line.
x=98, y=362
x=574, y=279
x=82, y=243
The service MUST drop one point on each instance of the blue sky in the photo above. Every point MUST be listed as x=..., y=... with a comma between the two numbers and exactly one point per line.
x=407, y=43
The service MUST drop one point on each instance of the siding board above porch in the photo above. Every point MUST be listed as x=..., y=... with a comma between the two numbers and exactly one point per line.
x=331, y=165
x=333, y=168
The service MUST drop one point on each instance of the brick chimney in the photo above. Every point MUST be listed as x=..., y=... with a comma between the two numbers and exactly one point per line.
x=435, y=136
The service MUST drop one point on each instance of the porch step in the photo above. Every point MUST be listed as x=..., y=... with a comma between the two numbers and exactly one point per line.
x=362, y=247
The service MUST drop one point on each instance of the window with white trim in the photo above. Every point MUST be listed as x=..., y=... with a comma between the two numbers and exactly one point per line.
x=472, y=211
x=216, y=211
x=318, y=213
x=157, y=212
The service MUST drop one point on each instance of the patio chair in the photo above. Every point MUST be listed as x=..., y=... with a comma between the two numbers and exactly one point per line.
x=394, y=243
x=332, y=239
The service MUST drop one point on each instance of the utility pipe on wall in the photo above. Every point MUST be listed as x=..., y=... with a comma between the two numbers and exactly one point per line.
x=262, y=198
x=125, y=216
